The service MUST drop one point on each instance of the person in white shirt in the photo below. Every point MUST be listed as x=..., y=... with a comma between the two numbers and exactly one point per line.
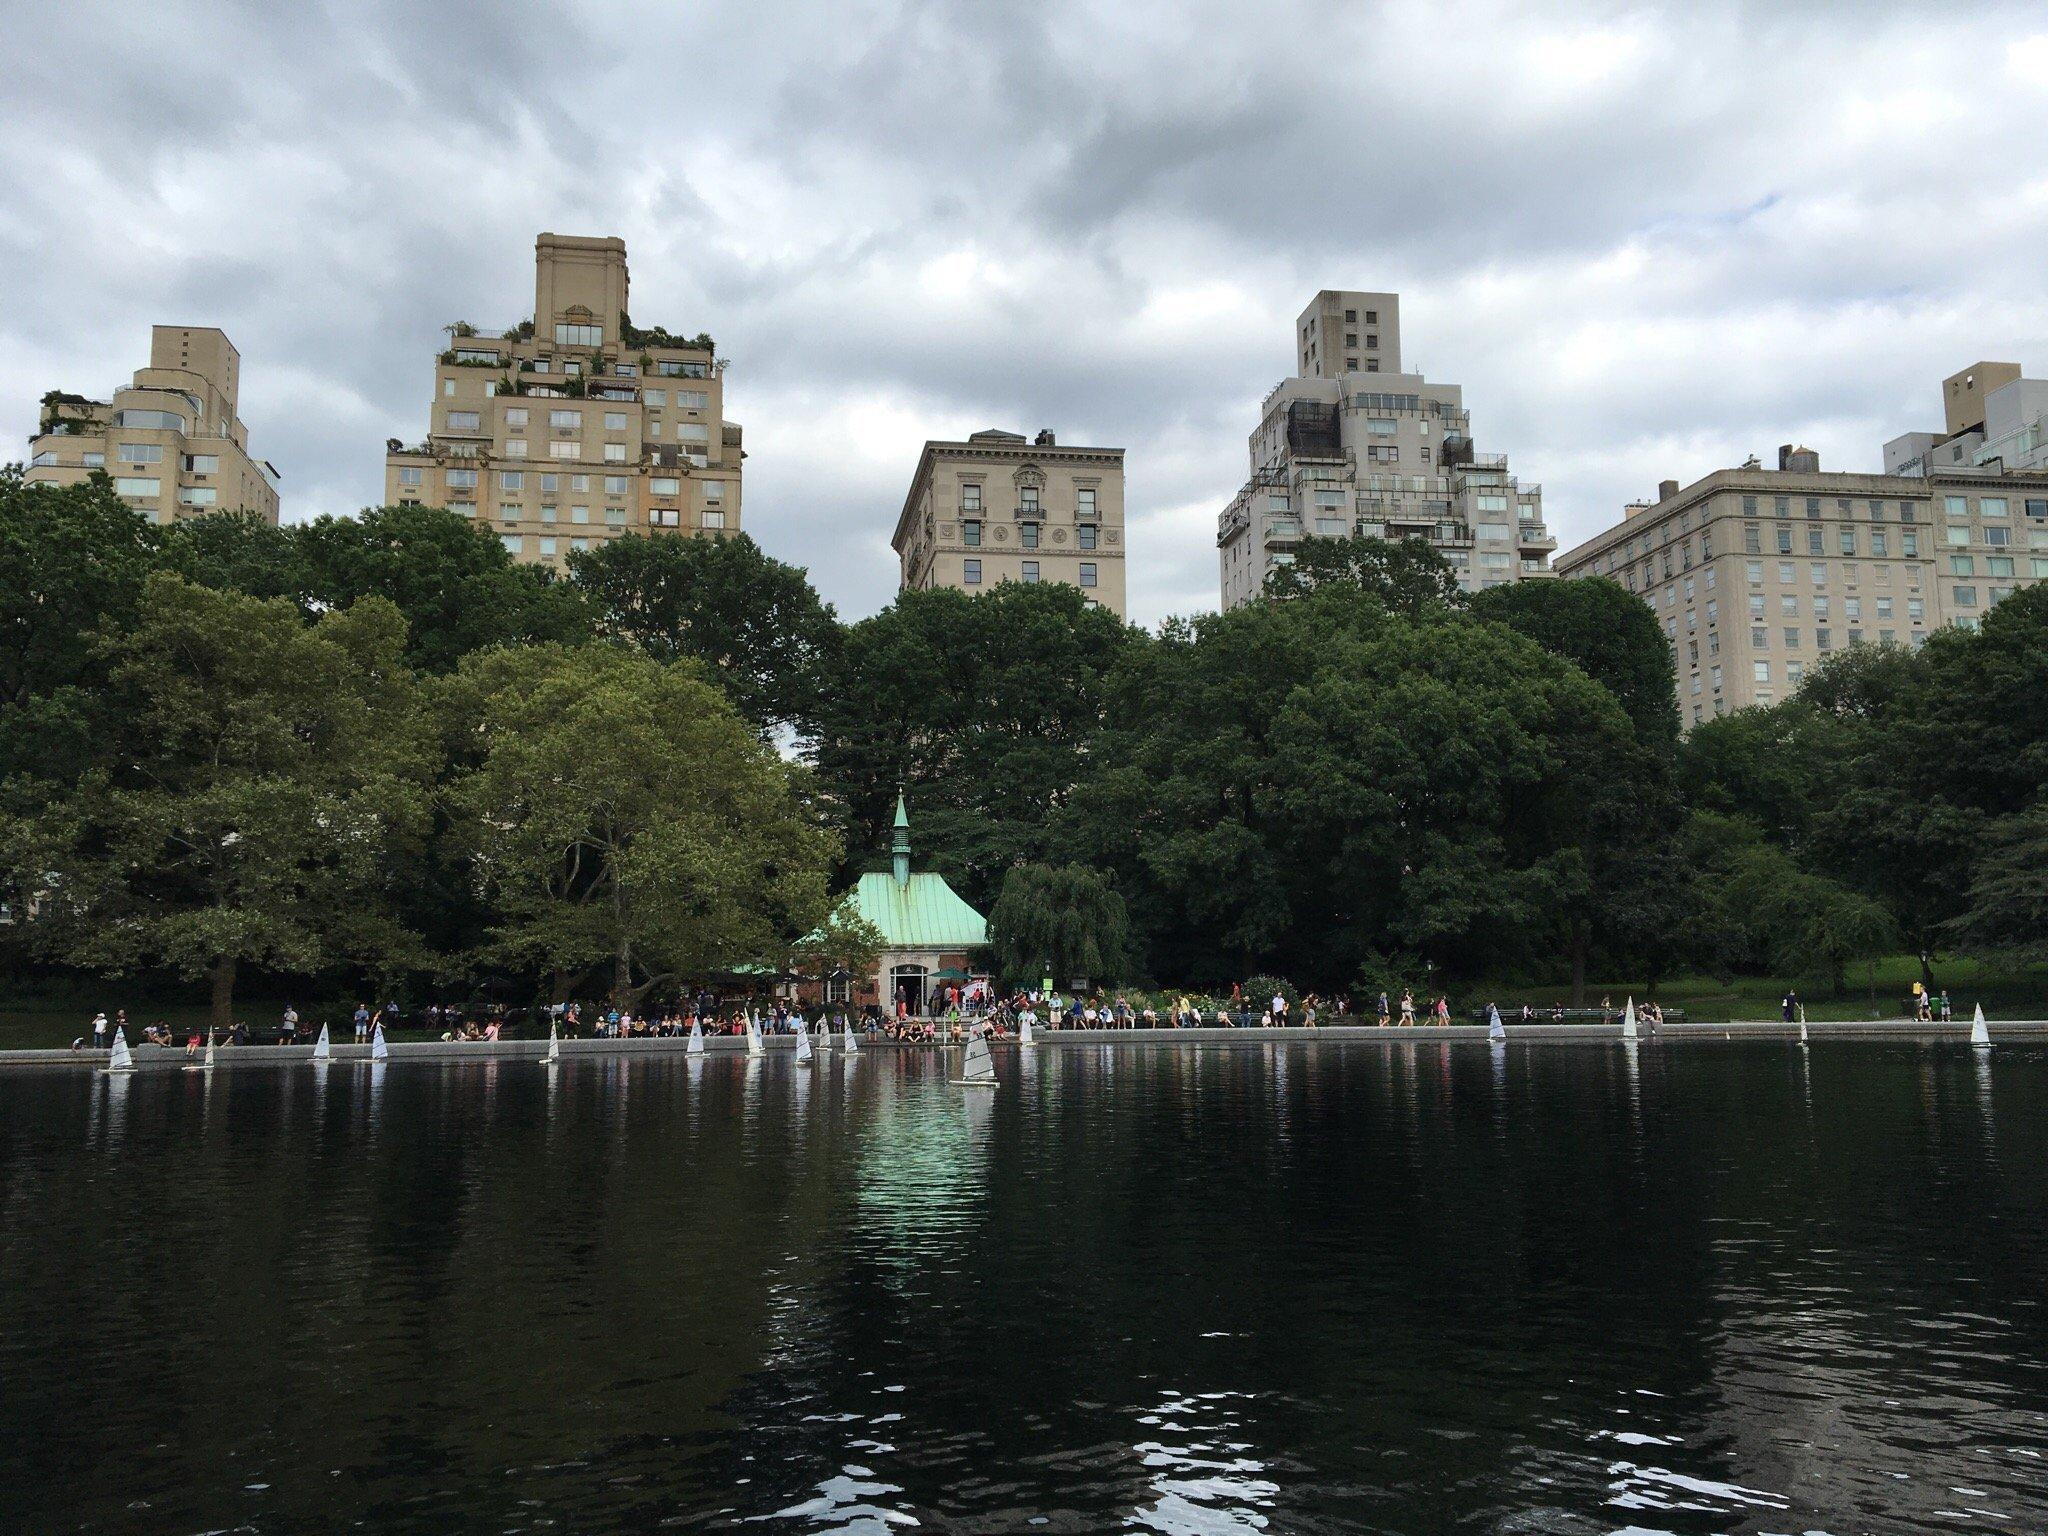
x=99, y=1031
x=1279, y=1009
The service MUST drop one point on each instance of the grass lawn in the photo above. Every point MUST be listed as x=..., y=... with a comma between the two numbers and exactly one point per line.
x=2005, y=993
x=37, y=1024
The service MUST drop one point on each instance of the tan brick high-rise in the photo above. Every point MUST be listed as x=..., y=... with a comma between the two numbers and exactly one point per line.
x=171, y=440
x=576, y=425
x=999, y=507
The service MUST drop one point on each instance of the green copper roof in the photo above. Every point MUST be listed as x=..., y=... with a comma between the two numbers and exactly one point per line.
x=919, y=913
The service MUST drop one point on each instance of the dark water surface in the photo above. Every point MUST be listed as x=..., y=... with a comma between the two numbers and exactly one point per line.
x=1419, y=1288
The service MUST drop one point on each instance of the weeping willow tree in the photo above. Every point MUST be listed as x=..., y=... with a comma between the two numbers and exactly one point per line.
x=1062, y=921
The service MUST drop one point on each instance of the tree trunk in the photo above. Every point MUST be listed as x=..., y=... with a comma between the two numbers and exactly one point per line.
x=224, y=994
x=1926, y=970
x=622, y=973
x=1839, y=973
x=1578, y=966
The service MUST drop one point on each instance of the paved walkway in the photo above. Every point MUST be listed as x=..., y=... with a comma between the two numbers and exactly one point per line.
x=152, y=1058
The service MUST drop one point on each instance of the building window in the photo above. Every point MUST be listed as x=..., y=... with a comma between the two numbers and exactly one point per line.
x=1087, y=573
x=970, y=535
x=579, y=335
x=1030, y=570
x=1086, y=532
x=665, y=485
x=206, y=496
x=565, y=419
x=714, y=490
x=970, y=572
x=1027, y=535
x=1909, y=544
x=615, y=453
x=1998, y=538
x=464, y=421
x=614, y=485
x=569, y=450
x=579, y=514
x=713, y=518
x=515, y=416
x=1784, y=541
x=409, y=474
x=1962, y=565
x=202, y=464
x=970, y=498
x=459, y=508
x=140, y=453
x=615, y=421
x=1084, y=499
x=1760, y=670
x=1966, y=597
x=465, y=480
x=515, y=447
x=547, y=548
x=1027, y=498
x=513, y=542
x=1879, y=546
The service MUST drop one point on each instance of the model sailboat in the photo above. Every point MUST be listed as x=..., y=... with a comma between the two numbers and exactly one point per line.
x=978, y=1070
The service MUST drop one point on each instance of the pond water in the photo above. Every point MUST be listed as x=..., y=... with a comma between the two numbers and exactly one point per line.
x=1415, y=1288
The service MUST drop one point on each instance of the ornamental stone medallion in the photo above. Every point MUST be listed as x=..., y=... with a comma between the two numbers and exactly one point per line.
x=1059, y=535
x=1002, y=534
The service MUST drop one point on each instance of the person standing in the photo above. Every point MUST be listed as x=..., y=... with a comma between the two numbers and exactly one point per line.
x=1386, y=1012
x=1279, y=1010
x=1407, y=1006
x=99, y=1030
x=362, y=1023
x=1947, y=1015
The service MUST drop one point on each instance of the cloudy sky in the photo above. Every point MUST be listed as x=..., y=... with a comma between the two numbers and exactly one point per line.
x=1647, y=240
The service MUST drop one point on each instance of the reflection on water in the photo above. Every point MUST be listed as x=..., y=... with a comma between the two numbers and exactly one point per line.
x=1401, y=1287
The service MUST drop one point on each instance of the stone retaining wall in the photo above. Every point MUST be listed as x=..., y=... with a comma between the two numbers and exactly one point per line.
x=153, y=1058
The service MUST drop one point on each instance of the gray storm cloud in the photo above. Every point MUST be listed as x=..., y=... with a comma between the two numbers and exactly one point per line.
x=1647, y=240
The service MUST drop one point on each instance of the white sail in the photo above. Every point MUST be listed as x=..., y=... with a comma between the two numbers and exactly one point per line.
x=323, y=1049
x=803, y=1047
x=209, y=1047
x=980, y=1065
x=1980, y=1036
x=554, y=1044
x=1024, y=1034
x=754, y=1046
x=1495, y=1031
x=823, y=1032
x=852, y=1038
x=1628, y=1021
x=118, y=1059
x=379, y=1051
x=696, y=1046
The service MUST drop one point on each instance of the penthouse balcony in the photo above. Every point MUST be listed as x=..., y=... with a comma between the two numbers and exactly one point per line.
x=1535, y=536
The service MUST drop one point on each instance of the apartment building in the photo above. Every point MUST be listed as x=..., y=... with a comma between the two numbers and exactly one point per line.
x=172, y=440
x=575, y=425
x=1756, y=574
x=1355, y=445
x=1994, y=419
x=1000, y=508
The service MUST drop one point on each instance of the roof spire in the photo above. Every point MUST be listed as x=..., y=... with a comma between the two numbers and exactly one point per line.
x=899, y=844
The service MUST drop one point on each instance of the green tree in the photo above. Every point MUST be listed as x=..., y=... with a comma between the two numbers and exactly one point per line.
x=1061, y=921
x=1406, y=575
x=983, y=707
x=1609, y=634
x=72, y=563
x=756, y=624
x=622, y=815
x=239, y=552
x=455, y=583
x=269, y=792
x=2007, y=911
